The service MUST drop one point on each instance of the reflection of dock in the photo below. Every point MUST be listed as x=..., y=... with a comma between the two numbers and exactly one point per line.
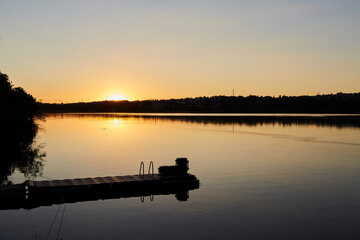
x=32, y=194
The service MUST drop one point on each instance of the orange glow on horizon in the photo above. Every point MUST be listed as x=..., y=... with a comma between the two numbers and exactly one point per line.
x=116, y=97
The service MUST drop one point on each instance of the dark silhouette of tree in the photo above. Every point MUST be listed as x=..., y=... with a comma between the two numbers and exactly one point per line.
x=15, y=103
x=18, y=151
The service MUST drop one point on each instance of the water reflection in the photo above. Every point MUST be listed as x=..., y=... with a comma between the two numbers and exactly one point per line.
x=257, y=182
x=18, y=150
x=318, y=120
x=17, y=199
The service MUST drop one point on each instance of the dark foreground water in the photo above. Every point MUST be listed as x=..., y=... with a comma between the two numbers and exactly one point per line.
x=262, y=177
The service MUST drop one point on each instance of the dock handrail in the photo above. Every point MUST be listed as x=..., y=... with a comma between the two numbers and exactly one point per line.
x=142, y=166
x=151, y=166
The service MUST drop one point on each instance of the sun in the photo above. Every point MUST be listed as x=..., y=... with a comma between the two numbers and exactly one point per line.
x=116, y=97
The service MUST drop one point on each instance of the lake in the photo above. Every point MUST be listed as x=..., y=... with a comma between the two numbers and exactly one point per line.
x=261, y=177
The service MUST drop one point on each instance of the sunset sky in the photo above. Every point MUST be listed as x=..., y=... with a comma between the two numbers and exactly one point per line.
x=70, y=51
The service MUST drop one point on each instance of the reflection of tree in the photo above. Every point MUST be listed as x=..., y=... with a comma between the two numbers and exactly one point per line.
x=18, y=150
x=17, y=132
x=338, y=121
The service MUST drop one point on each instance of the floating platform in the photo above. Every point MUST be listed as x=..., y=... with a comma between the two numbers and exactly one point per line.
x=32, y=194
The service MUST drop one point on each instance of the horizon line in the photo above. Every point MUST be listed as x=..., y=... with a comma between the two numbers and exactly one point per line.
x=166, y=99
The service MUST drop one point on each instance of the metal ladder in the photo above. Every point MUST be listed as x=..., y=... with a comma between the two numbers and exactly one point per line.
x=150, y=172
x=142, y=169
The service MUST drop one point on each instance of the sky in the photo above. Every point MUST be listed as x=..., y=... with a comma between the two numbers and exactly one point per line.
x=72, y=50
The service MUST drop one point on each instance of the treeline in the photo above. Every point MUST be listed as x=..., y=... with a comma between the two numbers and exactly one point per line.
x=330, y=103
x=15, y=102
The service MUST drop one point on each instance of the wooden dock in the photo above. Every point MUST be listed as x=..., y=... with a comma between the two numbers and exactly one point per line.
x=32, y=194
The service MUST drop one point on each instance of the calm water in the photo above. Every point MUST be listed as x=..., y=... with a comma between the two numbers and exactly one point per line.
x=260, y=179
